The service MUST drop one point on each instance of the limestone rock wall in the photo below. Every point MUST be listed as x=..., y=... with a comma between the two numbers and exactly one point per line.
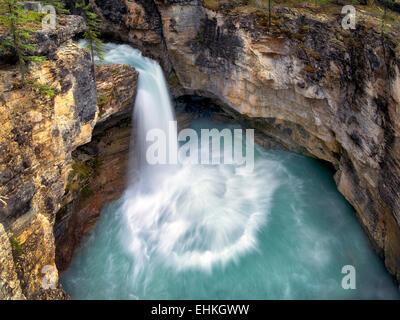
x=105, y=158
x=10, y=287
x=43, y=124
x=37, y=137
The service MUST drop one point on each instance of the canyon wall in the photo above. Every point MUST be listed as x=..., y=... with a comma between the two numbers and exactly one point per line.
x=101, y=165
x=316, y=88
x=39, y=132
x=43, y=124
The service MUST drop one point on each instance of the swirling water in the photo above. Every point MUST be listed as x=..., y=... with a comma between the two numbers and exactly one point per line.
x=282, y=231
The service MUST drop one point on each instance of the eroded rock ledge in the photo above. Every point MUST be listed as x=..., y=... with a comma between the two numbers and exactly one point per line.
x=314, y=87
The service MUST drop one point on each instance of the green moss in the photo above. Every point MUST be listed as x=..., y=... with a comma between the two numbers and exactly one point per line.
x=44, y=89
x=47, y=91
x=338, y=42
x=81, y=175
x=82, y=169
x=101, y=100
x=310, y=52
x=298, y=36
x=305, y=28
x=16, y=248
x=73, y=185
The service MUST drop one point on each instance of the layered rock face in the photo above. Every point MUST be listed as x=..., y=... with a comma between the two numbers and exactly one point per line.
x=43, y=124
x=329, y=93
x=10, y=287
x=100, y=167
x=37, y=137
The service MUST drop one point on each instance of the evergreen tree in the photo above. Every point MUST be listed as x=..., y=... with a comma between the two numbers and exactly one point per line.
x=17, y=23
x=93, y=44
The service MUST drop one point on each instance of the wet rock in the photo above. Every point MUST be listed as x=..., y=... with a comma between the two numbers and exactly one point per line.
x=116, y=87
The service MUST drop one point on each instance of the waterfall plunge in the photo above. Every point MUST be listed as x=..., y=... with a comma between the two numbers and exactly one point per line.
x=188, y=216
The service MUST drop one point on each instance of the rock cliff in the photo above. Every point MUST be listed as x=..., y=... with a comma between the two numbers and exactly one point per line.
x=99, y=167
x=43, y=124
x=38, y=134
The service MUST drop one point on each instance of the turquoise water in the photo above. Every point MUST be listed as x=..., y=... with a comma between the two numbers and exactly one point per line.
x=281, y=231
x=307, y=233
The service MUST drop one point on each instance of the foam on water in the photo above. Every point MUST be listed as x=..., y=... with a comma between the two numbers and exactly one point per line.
x=198, y=216
x=192, y=216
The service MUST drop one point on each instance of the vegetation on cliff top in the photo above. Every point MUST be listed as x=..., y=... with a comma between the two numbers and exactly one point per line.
x=257, y=4
x=19, y=23
x=57, y=4
x=376, y=16
x=390, y=9
x=18, y=26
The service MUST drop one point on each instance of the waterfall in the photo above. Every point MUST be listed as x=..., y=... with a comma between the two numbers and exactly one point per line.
x=192, y=216
x=153, y=110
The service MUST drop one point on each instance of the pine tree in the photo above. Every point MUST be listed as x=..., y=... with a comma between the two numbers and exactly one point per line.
x=93, y=44
x=17, y=22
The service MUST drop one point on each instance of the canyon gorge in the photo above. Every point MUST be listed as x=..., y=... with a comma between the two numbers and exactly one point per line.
x=304, y=84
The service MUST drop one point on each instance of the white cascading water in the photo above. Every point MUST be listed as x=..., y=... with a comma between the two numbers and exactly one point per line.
x=153, y=110
x=190, y=216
